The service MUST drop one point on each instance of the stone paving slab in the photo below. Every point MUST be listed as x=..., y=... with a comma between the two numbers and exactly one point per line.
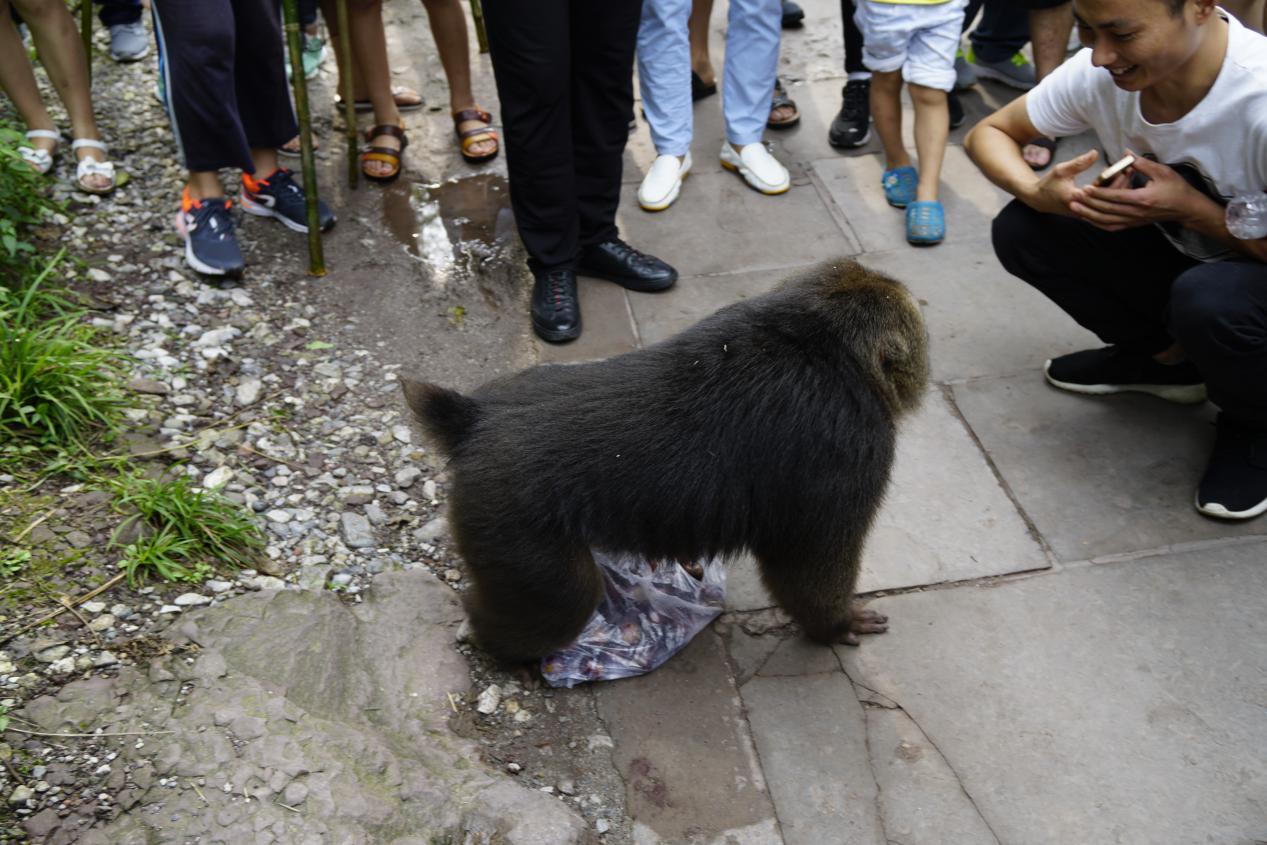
x=945, y=517
x=982, y=321
x=811, y=735
x=720, y=225
x=662, y=315
x=1115, y=703
x=1098, y=476
x=683, y=747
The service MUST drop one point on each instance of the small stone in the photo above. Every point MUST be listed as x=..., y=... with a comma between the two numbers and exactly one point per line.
x=406, y=477
x=101, y=623
x=567, y=787
x=170, y=608
x=21, y=796
x=523, y=716
x=512, y=706
x=341, y=579
x=466, y=633
x=93, y=607
x=375, y=514
x=217, y=478
x=357, y=495
x=429, y=490
x=265, y=582
x=218, y=586
x=52, y=654
x=433, y=530
x=249, y=391
x=6, y=666
x=192, y=599
x=514, y=768
x=294, y=793
x=278, y=516
x=98, y=275
x=79, y=539
x=489, y=699
x=453, y=575
x=402, y=434
x=356, y=531
x=104, y=659
x=216, y=337
x=602, y=825
x=62, y=667
x=149, y=386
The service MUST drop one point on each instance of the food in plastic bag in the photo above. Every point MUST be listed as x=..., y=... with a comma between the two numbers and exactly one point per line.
x=649, y=611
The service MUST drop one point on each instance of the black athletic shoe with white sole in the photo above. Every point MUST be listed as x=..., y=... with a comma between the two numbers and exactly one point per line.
x=852, y=124
x=1098, y=372
x=210, y=244
x=279, y=195
x=1235, y=482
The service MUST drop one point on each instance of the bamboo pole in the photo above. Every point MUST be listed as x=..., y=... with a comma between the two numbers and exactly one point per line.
x=85, y=31
x=349, y=107
x=481, y=34
x=308, y=164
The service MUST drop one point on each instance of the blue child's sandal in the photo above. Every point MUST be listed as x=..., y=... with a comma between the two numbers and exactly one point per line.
x=899, y=186
x=925, y=222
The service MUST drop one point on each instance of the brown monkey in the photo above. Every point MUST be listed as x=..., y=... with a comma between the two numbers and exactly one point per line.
x=768, y=426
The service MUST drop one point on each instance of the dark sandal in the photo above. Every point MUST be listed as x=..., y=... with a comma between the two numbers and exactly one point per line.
x=386, y=155
x=782, y=100
x=467, y=137
x=1048, y=144
x=699, y=90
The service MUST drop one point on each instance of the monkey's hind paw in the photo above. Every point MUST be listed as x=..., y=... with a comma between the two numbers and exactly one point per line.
x=863, y=621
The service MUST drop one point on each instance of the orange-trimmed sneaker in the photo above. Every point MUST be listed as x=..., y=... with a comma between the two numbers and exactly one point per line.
x=278, y=195
x=207, y=227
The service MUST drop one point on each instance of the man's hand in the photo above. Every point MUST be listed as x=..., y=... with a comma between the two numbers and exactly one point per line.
x=1117, y=206
x=1056, y=192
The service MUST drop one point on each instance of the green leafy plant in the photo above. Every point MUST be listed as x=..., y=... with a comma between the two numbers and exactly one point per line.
x=58, y=383
x=193, y=530
x=24, y=203
x=13, y=561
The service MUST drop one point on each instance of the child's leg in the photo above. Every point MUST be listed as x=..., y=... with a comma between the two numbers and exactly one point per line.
x=932, y=128
x=886, y=114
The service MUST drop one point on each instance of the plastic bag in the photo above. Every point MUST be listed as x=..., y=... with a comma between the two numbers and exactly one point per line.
x=648, y=613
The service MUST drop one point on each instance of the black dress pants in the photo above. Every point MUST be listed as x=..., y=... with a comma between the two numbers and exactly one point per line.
x=564, y=71
x=1134, y=289
x=225, y=79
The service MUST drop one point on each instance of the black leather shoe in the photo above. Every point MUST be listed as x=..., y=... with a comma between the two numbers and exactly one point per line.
x=616, y=261
x=956, y=110
x=556, y=312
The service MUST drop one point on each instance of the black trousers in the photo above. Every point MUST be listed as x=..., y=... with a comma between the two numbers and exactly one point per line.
x=225, y=77
x=853, y=39
x=1133, y=289
x=564, y=71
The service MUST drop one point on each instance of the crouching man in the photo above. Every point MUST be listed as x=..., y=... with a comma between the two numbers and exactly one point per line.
x=1146, y=261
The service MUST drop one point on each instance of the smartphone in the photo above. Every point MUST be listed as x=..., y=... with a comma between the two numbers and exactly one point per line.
x=1107, y=174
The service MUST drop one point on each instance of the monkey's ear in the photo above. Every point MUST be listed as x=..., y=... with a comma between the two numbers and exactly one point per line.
x=447, y=415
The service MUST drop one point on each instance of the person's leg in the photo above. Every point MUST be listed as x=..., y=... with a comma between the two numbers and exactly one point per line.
x=531, y=44
x=604, y=41
x=664, y=74
x=1049, y=29
x=62, y=54
x=1114, y=284
x=18, y=81
x=932, y=129
x=854, y=68
x=752, y=59
x=701, y=63
x=852, y=125
x=263, y=93
x=930, y=73
x=1002, y=31
x=448, y=28
x=373, y=74
x=886, y=115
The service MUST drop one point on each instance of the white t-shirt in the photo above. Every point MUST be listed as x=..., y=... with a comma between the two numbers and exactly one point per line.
x=1219, y=147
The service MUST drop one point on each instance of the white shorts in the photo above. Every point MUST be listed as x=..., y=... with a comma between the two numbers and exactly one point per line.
x=919, y=39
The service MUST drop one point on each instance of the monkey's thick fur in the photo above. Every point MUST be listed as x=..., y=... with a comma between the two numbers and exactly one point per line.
x=768, y=426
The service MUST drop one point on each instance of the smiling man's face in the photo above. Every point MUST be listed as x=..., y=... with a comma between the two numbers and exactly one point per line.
x=1140, y=42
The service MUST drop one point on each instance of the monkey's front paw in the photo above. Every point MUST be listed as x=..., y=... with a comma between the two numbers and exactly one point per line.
x=863, y=621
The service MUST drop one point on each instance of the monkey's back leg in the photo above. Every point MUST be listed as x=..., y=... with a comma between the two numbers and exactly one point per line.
x=533, y=590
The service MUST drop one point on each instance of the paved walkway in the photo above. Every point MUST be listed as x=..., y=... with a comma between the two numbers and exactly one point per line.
x=1076, y=656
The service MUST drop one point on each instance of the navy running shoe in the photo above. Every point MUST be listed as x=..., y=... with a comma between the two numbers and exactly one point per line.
x=210, y=245
x=278, y=195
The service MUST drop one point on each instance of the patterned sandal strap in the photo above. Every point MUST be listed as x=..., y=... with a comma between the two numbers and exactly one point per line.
x=390, y=129
x=472, y=114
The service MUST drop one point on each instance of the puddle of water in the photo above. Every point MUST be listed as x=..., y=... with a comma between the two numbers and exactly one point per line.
x=459, y=229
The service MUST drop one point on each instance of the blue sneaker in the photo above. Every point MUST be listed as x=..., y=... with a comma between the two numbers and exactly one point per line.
x=899, y=186
x=278, y=195
x=925, y=223
x=210, y=245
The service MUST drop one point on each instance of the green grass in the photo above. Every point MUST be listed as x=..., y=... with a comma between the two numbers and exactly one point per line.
x=194, y=531
x=24, y=203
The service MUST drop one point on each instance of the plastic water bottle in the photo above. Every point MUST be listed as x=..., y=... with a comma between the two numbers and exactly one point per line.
x=1246, y=216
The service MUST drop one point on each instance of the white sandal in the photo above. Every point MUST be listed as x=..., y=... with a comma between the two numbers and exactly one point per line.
x=90, y=166
x=41, y=160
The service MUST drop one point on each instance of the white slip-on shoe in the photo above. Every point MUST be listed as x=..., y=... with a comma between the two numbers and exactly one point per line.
x=758, y=168
x=663, y=181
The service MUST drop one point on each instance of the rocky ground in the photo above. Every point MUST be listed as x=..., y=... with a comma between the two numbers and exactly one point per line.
x=282, y=394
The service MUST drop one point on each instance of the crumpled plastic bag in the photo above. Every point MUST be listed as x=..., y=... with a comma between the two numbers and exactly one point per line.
x=649, y=611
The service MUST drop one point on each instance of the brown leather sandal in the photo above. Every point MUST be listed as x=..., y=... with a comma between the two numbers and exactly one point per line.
x=467, y=137
x=383, y=154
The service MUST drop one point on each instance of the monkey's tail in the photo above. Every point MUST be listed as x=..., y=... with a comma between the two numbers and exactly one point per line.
x=447, y=415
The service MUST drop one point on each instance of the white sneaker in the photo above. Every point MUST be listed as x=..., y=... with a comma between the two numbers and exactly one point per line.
x=758, y=168
x=663, y=181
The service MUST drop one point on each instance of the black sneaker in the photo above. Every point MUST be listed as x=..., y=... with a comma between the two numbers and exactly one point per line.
x=852, y=126
x=279, y=195
x=556, y=311
x=210, y=245
x=1235, y=482
x=1116, y=370
x=956, y=110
